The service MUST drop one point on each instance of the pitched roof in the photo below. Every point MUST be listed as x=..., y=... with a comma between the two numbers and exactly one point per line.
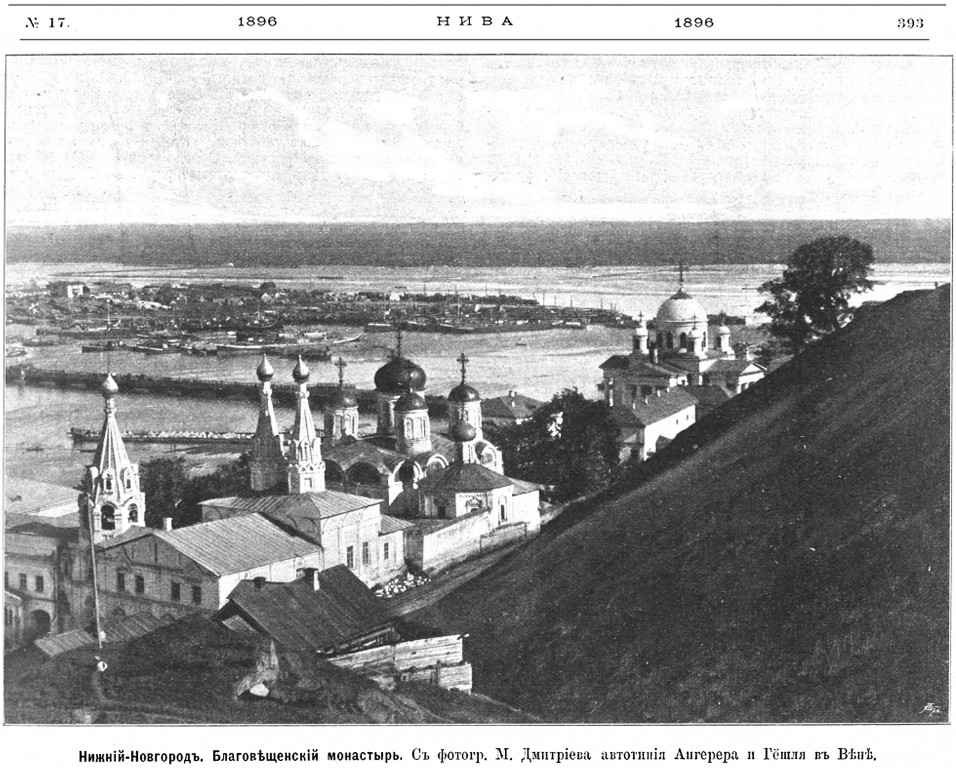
x=236, y=544
x=459, y=477
x=392, y=524
x=517, y=406
x=709, y=395
x=116, y=630
x=616, y=362
x=657, y=408
x=733, y=366
x=31, y=497
x=523, y=486
x=298, y=616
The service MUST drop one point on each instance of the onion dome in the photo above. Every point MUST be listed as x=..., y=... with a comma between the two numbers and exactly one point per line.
x=109, y=387
x=723, y=331
x=411, y=401
x=399, y=375
x=264, y=370
x=463, y=432
x=342, y=398
x=301, y=371
x=464, y=394
x=681, y=308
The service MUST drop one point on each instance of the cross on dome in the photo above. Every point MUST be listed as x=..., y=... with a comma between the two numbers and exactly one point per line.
x=341, y=365
x=463, y=361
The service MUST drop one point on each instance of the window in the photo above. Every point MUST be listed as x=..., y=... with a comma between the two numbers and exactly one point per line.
x=197, y=594
x=108, y=483
x=140, y=585
x=385, y=551
x=683, y=341
x=442, y=510
x=108, y=518
x=670, y=340
x=350, y=557
x=366, y=559
x=175, y=592
x=6, y=578
x=120, y=581
x=23, y=581
x=38, y=583
x=646, y=391
x=133, y=513
x=503, y=513
x=128, y=484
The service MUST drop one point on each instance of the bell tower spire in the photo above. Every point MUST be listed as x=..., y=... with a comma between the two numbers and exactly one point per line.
x=266, y=463
x=112, y=500
x=305, y=470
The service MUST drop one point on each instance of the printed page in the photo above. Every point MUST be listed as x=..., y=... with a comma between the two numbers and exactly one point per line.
x=538, y=384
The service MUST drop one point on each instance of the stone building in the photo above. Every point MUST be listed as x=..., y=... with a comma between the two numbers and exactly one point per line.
x=653, y=390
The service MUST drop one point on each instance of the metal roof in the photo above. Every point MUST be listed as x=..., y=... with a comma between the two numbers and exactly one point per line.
x=236, y=544
x=657, y=408
x=116, y=631
x=30, y=497
x=298, y=616
x=464, y=478
x=392, y=524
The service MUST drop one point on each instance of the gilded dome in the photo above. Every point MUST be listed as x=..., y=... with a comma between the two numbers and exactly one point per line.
x=681, y=308
x=399, y=375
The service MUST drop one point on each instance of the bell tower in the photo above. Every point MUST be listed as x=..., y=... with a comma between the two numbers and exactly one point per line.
x=266, y=462
x=305, y=471
x=112, y=501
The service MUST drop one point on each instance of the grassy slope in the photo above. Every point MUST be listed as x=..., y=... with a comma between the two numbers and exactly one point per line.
x=186, y=673
x=794, y=567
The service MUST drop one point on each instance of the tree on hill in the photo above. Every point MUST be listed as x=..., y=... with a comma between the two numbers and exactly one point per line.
x=812, y=298
x=569, y=443
x=163, y=480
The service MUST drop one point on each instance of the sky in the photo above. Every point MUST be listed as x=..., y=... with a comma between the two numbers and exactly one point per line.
x=112, y=139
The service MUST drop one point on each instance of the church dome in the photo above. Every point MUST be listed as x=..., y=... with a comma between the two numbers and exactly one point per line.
x=411, y=402
x=109, y=386
x=342, y=398
x=681, y=308
x=264, y=370
x=464, y=394
x=463, y=432
x=301, y=371
x=723, y=331
x=398, y=375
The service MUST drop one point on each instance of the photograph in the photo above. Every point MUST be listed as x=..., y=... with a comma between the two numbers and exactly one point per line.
x=511, y=389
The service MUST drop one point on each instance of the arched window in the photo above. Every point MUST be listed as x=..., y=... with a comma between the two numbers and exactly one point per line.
x=503, y=512
x=704, y=342
x=670, y=340
x=133, y=513
x=683, y=341
x=660, y=339
x=108, y=483
x=107, y=518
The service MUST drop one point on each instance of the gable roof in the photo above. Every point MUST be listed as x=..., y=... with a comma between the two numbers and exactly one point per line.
x=708, y=395
x=657, y=408
x=236, y=544
x=298, y=616
x=464, y=478
x=734, y=366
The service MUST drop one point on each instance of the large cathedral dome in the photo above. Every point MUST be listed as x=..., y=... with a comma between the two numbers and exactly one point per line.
x=680, y=309
x=399, y=375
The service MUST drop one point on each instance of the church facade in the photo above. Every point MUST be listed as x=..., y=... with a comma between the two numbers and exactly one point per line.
x=649, y=390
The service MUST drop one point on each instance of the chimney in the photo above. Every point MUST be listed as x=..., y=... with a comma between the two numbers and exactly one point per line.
x=167, y=523
x=259, y=582
x=312, y=577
